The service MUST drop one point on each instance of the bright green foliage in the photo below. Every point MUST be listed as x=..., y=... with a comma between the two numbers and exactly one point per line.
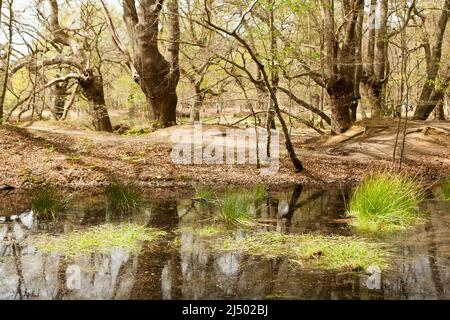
x=100, y=239
x=326, y=252
x=235, y=207
x=385, y=202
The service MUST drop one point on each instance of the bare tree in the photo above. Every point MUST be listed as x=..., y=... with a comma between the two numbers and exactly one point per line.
x=5, y=61
x=431, y=91
x=262, y=69
x=341, y=61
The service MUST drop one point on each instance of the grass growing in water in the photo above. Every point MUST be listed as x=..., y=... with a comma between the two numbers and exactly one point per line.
x=101, y=239
x=235, y=207
x=327, y=252
x=204, y=193
x=385, y=202
x=259, y=192
x=123, y=197
x=47, y=203
x=206, y=231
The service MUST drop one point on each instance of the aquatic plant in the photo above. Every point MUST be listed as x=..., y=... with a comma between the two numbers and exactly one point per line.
x=206, y=231
x=385, y=202
x=259, y=192
x=235, y=207
x=99, y=239
x=326, y=252
x=446, y=189
x=123, y=197
x=46, y=203
x=204, y=193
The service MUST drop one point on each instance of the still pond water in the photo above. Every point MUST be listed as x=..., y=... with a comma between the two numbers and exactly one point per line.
x=420, y=263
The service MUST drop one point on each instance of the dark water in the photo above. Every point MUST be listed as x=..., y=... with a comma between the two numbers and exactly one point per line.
x=420, y=263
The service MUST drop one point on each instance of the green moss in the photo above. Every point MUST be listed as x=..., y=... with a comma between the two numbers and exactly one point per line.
x=47, y=203
x=384, y=203
x=235, y=207
x=123, y=197
x=101, y=239
x=73, y=157
x=326, y=252
x=137, y=132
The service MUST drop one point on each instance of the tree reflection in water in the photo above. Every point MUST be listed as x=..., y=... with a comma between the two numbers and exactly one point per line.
x=191, y=270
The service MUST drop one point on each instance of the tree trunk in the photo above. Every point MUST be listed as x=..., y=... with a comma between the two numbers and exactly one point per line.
x=439, y=112
x=158, y=77
x=59, y=93
x=341, y=98
x=340, y=63
x=5, y=65
x=433, y=60
x=195, y=111
x=92, y=88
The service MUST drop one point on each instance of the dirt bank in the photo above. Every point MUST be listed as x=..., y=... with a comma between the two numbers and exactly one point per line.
x=77, y=158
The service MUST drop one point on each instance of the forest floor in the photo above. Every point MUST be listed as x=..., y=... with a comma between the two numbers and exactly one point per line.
x=42, y=153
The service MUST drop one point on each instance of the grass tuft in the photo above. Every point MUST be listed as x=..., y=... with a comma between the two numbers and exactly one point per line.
x=385, y=202
x=123, y=197
x=259, y=192
x=100, y=239
x=47, y=203
x=326, y=252
x=207, y=231
x=235, y=207
x=204, y=193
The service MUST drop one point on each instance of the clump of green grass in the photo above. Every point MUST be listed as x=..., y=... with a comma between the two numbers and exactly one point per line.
x=385, y=202
x=446, y=189
x=123, y=197
x=47, y=203
x=235, y=207
x=207, y=231
x=259, y=192
x=326, y=252
x=100, y=239
x=204, y=193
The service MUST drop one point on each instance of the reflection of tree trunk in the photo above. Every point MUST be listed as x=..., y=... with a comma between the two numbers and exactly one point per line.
x=164, y=215
x=434, y=267
x=293, y=201
x=17, y=263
